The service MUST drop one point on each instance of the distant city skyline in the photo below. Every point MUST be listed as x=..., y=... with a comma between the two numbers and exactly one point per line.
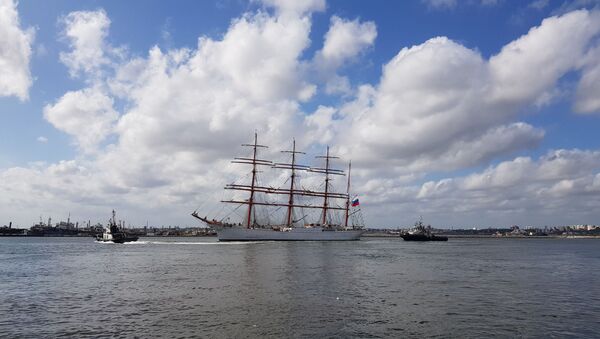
x=468, y=113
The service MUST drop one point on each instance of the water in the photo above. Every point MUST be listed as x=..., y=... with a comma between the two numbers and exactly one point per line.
x=197, y=287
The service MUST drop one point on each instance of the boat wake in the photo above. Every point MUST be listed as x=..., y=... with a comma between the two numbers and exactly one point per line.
x=105, y=242
x=148, y=242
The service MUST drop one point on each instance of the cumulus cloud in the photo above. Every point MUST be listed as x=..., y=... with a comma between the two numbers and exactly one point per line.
x=87, y=115
x=559, y=188
x=213, y=95
x=86, y=32
x=186, y=110
x=54, y=190
x=438, y=107
x=42, y=139
x=587, y=98
x=493, y=143
x=565, y=180
x=439, y=97
x=344, y=41
x=15, y=52
x=321, y=124
x=531, y=64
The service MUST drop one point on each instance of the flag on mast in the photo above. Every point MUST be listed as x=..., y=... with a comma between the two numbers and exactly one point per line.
x=355, y=202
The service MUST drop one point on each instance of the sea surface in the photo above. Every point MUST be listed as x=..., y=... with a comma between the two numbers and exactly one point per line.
x=373, y=288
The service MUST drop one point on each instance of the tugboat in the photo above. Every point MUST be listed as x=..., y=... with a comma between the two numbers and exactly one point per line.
x=114, y=233
x=422, y=233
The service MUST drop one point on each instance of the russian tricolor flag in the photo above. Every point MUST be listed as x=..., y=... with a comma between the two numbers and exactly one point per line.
x=355, y=202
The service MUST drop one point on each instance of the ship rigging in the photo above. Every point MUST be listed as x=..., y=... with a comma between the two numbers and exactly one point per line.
x=306, y=231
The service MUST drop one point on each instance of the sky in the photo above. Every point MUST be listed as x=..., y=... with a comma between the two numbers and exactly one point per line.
x=476, y=113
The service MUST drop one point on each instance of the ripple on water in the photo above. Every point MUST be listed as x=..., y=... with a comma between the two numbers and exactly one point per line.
x=184, y=288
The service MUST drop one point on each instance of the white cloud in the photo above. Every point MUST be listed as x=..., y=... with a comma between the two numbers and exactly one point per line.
x=494, y=143
x=440, y=4
x=531, y=64
x=344, y=41
x=320, y=124
x=429, y=97
x=42, y=139
x=294, y=7
x=86, y=32
x=587, y=98
x=539, y=4
x=441, y=105
x=15, y=53
x=54, y=190
x=186, y=110
x=336, y=84
x=559, y=188
x=569, y=6
x=88, y=115
x=564, y=180
x=258, y=56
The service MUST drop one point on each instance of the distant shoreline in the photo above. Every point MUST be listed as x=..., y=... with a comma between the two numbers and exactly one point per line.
x=89, y=236
x=473, y=236
x=366, y=235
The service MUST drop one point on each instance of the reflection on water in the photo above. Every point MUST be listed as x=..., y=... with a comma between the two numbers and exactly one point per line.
x=180, y=287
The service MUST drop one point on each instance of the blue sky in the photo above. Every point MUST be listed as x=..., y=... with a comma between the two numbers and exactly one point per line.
x=126, y=107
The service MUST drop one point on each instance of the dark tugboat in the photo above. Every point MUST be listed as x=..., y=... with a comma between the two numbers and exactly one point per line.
x=422, y=233
x=114, y=233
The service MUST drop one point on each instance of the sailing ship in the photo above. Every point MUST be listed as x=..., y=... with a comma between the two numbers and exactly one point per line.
x=253, y=229
x=115, y=233
x=422, y=233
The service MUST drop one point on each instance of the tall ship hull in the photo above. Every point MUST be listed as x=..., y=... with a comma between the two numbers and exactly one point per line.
x=292, y=234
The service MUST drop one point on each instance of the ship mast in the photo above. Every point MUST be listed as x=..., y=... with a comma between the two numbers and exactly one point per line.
x=251, y=200
x=348, y=199
x=293, y=166
x=254, y=162
x=254, y=188
x=326, y=200
x=327, y=171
